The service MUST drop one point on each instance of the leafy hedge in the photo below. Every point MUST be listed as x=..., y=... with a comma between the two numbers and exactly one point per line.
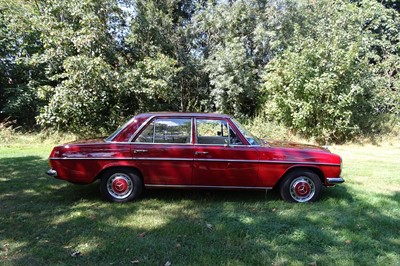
x=325, y=69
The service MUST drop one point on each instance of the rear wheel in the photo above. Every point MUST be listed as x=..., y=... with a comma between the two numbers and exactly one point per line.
x=120, y=185
x=300, y=186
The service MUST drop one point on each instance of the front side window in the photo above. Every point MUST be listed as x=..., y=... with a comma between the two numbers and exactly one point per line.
x=215, y=132
x=166, y=130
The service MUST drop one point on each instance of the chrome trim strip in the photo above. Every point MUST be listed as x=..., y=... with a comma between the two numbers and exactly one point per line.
x=224, y=145
x=162, y=159
x=265, y=161
x=123, y=158
x=92, y=158
x=200, y=186
x=194, y=159
x=334, y=180
x=303, y=163
x=180, y=144
x=226, y=160
x=151, y=143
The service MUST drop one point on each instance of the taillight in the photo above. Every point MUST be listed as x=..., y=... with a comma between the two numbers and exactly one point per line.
x=55, y=153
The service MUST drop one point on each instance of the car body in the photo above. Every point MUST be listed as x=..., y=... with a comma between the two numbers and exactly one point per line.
x=194, y=150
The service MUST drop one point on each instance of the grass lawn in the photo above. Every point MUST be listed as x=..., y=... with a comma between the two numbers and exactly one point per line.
x=44, y=220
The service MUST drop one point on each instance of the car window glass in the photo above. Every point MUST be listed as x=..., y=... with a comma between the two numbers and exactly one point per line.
x=167, y=130
x=253, y=140
x=215, y=132
x=147, y=134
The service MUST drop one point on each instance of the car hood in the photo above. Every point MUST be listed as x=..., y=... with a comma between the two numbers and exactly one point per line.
x=294, y=145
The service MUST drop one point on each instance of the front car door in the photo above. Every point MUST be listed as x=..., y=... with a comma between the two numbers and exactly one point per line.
x=222, y=158
x=165, y=152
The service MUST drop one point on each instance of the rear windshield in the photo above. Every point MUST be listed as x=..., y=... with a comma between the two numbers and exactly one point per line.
x=116, y=132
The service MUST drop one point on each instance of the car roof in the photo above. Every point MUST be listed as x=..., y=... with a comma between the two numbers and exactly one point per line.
x=183, y=114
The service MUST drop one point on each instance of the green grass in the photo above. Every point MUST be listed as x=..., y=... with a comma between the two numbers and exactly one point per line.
x=44, y=220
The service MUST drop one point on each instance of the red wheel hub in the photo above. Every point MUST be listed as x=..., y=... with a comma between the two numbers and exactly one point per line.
x=302, y=188
x=120, y=185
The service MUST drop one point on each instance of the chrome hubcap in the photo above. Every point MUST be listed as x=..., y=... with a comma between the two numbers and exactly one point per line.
x=119, y=186
x=302, y=189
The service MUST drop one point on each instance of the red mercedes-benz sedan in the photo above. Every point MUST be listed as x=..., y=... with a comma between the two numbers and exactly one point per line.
x=194, y=150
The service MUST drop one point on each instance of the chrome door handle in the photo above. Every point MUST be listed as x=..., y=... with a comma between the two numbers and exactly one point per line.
x=200, y=152
x=139, y=151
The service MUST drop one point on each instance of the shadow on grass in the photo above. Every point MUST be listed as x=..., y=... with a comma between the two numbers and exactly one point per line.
x=210, y=195
x=24, y=177
x=43, y=220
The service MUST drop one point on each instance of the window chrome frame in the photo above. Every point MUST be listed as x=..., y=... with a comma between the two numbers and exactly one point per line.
x=229, y=134
x=193, y=140
x=154, y=118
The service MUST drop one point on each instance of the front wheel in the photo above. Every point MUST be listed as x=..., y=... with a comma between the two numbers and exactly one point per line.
x=120, y=185
x=300, y=186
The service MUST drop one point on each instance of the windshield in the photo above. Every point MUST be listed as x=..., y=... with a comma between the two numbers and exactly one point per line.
x=250, y=138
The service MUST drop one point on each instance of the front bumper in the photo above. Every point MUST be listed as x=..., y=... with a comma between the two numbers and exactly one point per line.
x=334, y=180
x=52, y=173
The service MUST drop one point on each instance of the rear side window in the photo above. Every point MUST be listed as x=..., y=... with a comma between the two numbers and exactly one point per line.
x=167, y=130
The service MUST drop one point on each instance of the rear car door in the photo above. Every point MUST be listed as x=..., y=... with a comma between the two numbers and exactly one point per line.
x=165, y=152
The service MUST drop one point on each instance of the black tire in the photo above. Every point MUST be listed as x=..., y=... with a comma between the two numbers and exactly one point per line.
x=300, y=186
x=120, y=185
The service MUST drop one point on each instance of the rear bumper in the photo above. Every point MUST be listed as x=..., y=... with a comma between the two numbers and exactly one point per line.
x=334, y=180
x=52, y=173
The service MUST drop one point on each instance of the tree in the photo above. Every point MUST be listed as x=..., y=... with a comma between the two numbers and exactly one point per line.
x=160, y=37
x=19, y=41
x=325, y=85
x=80, y=59
x=326, y=69
x=235, y=40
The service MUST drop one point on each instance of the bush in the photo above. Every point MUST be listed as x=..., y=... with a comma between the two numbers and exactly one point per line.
x=324, y=85
x=7, y=131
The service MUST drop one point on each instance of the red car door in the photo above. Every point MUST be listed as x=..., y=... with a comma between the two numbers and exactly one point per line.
x=164, y=151
x=221, y=156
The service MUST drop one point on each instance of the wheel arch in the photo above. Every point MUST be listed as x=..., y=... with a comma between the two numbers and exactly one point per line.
x=122, y=167
x=314, y=169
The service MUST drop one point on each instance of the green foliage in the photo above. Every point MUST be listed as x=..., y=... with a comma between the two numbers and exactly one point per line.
x=261, y=127
x=160, y=31
x=84, y=100
x=382, y=37
x=18, y=42
x=236, y=39
x=81, y=66
x=324, y=85
x=150, y=82
x=232, y=76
